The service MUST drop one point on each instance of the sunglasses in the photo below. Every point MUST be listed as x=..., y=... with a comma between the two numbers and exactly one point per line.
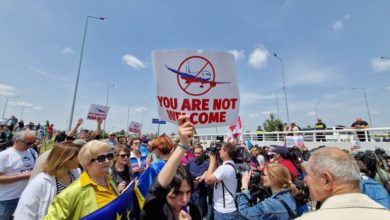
x=137, y=143
x=124, y=155
x=102, y=158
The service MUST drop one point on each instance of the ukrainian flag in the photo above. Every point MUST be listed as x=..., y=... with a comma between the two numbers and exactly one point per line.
x=124, y=207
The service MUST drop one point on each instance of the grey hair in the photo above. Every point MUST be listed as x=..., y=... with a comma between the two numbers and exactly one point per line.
x=341, y=165
x=21, y=135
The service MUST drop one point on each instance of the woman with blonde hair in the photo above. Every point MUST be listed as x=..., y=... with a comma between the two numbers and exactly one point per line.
x=93, y=190
x=59, y=171
x=281, y=205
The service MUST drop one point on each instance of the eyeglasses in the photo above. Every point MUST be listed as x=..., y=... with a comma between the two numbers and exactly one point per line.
x=124, y=155
x=102, y=158
x=28, y=142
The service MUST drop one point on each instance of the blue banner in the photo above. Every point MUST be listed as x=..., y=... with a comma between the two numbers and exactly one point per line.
x=124, y=207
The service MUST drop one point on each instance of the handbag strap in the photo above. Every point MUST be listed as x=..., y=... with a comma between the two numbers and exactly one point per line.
x=289, y=211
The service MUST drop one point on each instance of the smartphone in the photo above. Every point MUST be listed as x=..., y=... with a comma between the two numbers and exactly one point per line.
x=184, y=208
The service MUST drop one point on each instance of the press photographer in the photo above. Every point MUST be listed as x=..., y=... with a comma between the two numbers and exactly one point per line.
x=225, y=180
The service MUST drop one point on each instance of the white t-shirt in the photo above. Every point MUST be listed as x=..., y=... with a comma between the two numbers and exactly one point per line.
x=227, y=174
x=14, y=163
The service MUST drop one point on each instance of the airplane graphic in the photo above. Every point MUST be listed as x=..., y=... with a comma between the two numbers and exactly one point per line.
x=100, y=111
x=204, y=77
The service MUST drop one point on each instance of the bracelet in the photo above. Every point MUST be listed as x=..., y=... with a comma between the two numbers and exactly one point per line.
x=186, y=148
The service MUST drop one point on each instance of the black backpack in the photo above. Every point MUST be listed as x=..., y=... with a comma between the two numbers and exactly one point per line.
x=238, y=189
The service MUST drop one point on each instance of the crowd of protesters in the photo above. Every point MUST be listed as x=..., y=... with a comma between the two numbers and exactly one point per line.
x=190, y=180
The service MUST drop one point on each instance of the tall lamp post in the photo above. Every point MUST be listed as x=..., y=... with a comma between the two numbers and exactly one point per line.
x=368, y=109
x=79, y=68
x=6, y=103
x=108, y=91
x=284, y=87
x=315, y=108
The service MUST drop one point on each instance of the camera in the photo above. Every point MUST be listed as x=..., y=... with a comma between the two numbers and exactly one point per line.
x=214, y=147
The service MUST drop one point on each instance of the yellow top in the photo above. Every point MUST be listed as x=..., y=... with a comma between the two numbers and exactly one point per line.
x=104, y=195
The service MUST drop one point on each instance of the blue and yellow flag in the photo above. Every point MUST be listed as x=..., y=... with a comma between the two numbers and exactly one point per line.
x=125, y=207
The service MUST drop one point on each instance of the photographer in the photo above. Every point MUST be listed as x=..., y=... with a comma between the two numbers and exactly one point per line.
x=224, y=178
x=280, y=205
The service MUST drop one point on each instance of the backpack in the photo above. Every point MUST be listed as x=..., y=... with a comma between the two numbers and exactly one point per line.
x=238, y=189
x=375, y=191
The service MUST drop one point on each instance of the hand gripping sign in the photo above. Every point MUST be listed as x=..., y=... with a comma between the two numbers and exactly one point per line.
x=201, y=84
x=97, y=111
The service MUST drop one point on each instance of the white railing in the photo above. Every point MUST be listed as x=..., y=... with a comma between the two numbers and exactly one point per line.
x=370, y=136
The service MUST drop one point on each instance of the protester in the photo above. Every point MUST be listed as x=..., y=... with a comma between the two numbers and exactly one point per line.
x=282, y=157
x=41, y=160
x=56, y=176
x=198, y=167
x=16, y=164
x=169, y=197
x=137, y=158
x=162, y=146
x=224, y=178
x=360, y=124
x=112, y=139
x=281, y=205
x=93, y=190
x=120, y=171
x=333, y=178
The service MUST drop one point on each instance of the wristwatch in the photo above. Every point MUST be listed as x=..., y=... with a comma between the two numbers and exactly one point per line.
x=243, y=188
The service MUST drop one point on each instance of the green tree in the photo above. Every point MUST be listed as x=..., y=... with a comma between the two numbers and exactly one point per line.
x=272, y=123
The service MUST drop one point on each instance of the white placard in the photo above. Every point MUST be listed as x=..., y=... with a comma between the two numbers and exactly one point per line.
x=97, y=111
x=135, y=127
x=201, y=84
x=292, y=141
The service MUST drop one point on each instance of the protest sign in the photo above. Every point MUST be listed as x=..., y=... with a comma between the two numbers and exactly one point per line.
x=200, y=84
x=292, y=141
x=135, y=127
x=97, y=111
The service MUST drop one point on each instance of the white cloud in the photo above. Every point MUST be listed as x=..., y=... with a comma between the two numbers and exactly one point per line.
x=380, y=65
x=6, y=87
x=37, y=108
x=21, y=104
x=259, y=57
x=267, y=112
x=67, y=50
x=141, y=109
x=303, y=73
x=253, y=115
x=238, y=54
x=6, y=90
x=133, y=61
x=338, y=25
x=48, y=75
x=249, y=98
x=312, y=113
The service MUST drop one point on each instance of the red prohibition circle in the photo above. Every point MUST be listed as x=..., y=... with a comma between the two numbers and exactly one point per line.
x=178, y=75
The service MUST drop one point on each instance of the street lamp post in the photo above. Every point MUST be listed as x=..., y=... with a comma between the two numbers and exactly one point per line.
x=6, y=103
x=368, y=109
x=108, y=91
x=79, y=68
x=316, y=110
x=284, y=87
x=277, y=103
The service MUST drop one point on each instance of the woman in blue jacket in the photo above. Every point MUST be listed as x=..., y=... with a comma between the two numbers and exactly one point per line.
x=281, y=205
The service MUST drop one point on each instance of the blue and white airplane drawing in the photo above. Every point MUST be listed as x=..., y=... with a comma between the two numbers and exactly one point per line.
x=204, y=77
x=100, y=111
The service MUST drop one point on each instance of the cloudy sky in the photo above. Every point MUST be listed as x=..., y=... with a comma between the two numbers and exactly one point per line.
x=327, y=47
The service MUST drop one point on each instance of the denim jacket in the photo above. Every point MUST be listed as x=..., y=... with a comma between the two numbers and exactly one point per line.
x=270, y=208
